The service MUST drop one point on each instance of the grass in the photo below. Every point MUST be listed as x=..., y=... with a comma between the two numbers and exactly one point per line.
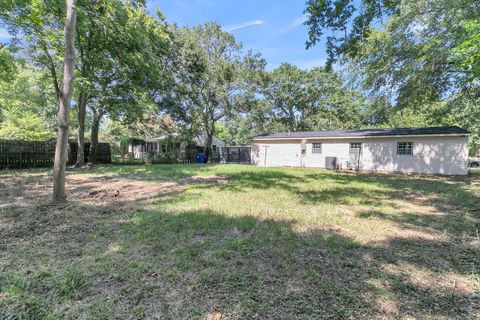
x=239, y=242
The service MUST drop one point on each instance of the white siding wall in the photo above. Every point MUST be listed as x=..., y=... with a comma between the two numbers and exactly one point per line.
x=339, y=149
x=431, y=155
x=278, y=153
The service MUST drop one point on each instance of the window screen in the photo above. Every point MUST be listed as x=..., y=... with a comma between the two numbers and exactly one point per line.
x=316, y=148
x=404, y=148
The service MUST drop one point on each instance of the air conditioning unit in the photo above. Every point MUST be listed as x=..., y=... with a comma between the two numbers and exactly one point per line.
x=330, y=163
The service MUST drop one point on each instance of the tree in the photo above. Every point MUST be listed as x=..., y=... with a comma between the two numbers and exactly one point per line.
x=28, y=90
x=285, y=90
x=348, y=22
x=466, y=54
x=117, y=40
x=128, y=74
x=23, y=125
x=210, y=78
x=424, y=60
x=64, y=106
x=39, y=26
x=7, y=64
x=310, y=100
x=410, y=52
x=238, y=129
x=422, y=56
x=98, y=25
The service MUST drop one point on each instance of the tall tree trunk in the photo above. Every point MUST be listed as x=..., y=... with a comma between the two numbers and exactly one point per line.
x=208, y=145
x=97, y=117
x=82, y=105
x=292, y=121
x=64, y=106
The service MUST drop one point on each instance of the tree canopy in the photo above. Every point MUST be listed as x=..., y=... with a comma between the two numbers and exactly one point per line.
x=210, y=77
x=391, y=64
x=416, y=61
x=310, y=100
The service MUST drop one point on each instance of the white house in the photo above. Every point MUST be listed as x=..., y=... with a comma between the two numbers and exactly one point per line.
x=167, y=144
x=435, y=150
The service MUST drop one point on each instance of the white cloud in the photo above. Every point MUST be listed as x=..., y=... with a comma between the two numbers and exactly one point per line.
x=299, y=21
x=4, y=34
x=244, y=25
x=294, y=24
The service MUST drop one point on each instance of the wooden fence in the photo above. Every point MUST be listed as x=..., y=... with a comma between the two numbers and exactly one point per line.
x=26, y=154
x=35, y=154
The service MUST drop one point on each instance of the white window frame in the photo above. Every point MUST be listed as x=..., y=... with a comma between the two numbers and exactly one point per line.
x=405, y=148
x=317, y=150
x=359, y=149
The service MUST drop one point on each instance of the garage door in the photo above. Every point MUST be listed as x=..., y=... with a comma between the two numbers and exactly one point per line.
x=283, y=155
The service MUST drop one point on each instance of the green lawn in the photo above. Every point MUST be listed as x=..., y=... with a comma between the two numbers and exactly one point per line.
x=239, y=242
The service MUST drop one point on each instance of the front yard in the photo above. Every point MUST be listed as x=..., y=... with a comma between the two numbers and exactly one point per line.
x=239, y=242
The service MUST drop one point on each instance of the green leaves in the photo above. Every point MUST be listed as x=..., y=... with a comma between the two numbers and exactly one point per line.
x=7, y=65
x=310, y=100
x=211, y=76
x=23, y=125
x=466, y=54
x=28, y=90
x=423, y=59
x=347, y=21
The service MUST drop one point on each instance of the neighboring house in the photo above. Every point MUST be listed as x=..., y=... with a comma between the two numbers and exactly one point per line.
x=168, y=144
x=436, y=150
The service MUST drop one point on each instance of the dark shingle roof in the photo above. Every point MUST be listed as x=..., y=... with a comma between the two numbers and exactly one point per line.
x=452, y=130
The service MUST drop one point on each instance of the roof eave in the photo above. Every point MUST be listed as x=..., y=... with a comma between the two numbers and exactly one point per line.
x=365, y=137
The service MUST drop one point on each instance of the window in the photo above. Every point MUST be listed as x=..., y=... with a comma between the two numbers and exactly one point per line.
x=404, y=148
x=355, y=148
x=214, y=147
x=316, y=148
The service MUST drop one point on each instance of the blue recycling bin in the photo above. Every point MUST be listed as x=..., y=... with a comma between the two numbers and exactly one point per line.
x=200, y=157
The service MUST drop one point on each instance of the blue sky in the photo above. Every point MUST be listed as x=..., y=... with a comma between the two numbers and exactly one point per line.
x=272, y=27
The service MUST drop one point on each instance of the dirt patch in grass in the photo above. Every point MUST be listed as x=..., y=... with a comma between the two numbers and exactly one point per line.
x=20, y=191
x=239, y=243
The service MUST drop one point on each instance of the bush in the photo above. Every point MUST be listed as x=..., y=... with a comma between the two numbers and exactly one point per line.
x=165, y=158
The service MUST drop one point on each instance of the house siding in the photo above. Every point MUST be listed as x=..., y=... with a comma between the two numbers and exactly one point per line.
x=276, y=153
x=431, y=155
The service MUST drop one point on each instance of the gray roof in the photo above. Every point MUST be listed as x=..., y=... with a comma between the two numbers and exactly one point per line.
x=451, y=130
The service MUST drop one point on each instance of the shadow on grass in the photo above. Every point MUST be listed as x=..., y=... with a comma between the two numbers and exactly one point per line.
x=83, y=261
x=458, y=207
x=102, y=261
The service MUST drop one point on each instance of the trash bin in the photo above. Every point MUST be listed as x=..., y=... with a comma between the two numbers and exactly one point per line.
x=200, y=157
